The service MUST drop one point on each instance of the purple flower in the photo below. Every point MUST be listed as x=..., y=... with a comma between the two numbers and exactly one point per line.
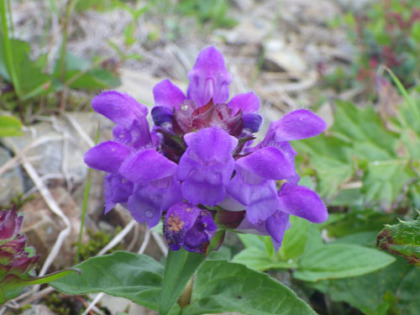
x=189, y=226
x=199, y=161
x=207, y=165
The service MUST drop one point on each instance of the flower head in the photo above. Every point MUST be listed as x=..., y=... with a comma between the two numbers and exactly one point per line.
x=14, y=259
x=198, y=165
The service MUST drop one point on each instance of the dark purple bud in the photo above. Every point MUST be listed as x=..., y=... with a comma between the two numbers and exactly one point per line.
x=162, y=115
x=252, y=121
x=10, y=224
x=13, y=257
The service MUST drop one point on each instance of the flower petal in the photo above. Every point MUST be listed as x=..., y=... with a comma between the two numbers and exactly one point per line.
x=162, y=115
x=203, y=192
x=302, y=202
x=251, y=121
x=119, y=107
x=107, y=156
x=197, y=239
x=209, y=78
x=296, y=125
x=276, y=226
x=247, y=102
x=166, y=93
x=149, y=201
x=179, y=219
x=210, y=145
x=147, y=165
x=269, y=163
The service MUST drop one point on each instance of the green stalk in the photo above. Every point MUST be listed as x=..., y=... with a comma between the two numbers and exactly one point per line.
x=69, y=8
x=84, y=208
x=404, y=93
x=8, y=49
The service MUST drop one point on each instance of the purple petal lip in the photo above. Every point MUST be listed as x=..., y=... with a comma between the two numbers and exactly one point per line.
x=211, y=144
x=248, y=102
x=209, y=78
x=297, y=125
x=107, y=156
x=302, y=202
x=147, y=165
x=119, y=107
x=276, y=226
x=166, y=93
x=269, y=163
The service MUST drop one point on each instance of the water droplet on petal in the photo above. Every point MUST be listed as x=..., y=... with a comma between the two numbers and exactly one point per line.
x=148, y=214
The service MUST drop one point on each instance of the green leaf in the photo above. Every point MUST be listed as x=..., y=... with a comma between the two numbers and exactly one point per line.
x=384, y=181
x=80, y=74
x=10, y=126
x=12, y=285
x=402, y=239
x=369, y=292
x=364, y=130
x=257, y=258
x=179, y=268
x=339, y=261
x=330, y=158
x=32, y=80
x=365, y=220
x=123, y=274
x=221, y=286
x=294, y=239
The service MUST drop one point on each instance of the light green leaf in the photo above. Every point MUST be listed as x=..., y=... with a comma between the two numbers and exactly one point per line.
x=339, y=261
x=32, y=80
x=331, y=160
x=221, y=286
x=364, y=130
x=10, y=126
x=257, y=258
x=11, y=285
x=123, y=274
x=294, y=239
x=369, y=292
x=385, y=180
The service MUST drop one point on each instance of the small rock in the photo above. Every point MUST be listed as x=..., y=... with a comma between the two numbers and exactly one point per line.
x=38, y=310
x=117, y=305
x=248, y=32
x=42, y=227
x=280, y=57
x=11, y=182
x=140, y=85
x=244, y=5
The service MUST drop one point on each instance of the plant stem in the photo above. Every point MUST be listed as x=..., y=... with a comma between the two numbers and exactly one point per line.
x=84, y=208
x=65, y=29
x=8, y=49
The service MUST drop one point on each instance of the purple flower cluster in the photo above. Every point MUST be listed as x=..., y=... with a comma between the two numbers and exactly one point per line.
x=198, y=166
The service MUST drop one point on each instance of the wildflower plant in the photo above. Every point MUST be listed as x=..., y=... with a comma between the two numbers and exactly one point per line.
x=200, y=170
x=198, y=166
